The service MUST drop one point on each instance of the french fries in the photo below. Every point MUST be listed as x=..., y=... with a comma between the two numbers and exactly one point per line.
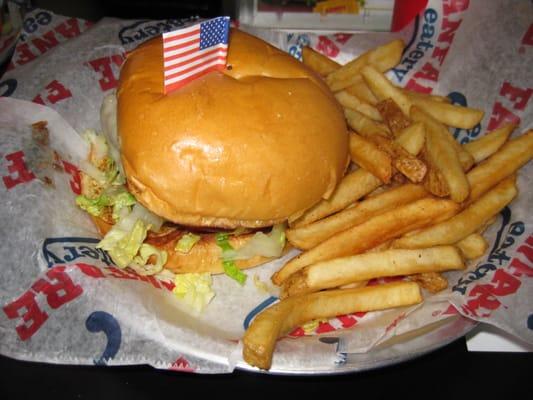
x=466, y=222
x=370, y=157
x=500, y=165
x=413, y=95
x=363, y=125
x=412, y=138
x=372, y=232
x=393, y=116
x=384, y=89
x=449, y=114
x=433, y=281
x=353, y=102
x=261, y=336
x=375, y=224
x=410, y=166
x=443, y=156
x=362, y=91
x=311, y=235
x=490, y=143
x=318, y=62
x=473, y=246
x=382, y=58
x=366, y=266
x=353, y=186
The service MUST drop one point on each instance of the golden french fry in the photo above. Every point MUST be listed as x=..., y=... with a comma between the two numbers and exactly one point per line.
x=350, y=101
x=309, y=236
x=466, y=160
x=396, y=262
x=413, y=95
x=473, y=246
x=352, y=187
x=260, y=338
x=395, y=119
x=489, y=144
x=370, y=157
x=364, y=125
x=374, y=231
x=443, y=155
x=434, y=282
x=319, y=63
x=449, y=114
x=465, y=223
x=361, y=90
x=506, y=161
x=382, y=58
x=412, y=138
x=384, y=89
x=434, y=182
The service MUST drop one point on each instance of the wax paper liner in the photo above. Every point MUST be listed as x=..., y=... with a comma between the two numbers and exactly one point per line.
x=64, y=301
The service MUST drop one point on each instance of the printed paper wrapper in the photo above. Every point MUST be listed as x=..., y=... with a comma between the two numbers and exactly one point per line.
x=63, y=301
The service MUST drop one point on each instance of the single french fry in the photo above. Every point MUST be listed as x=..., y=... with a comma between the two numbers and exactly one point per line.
x=489, y=144
x=473, y=246
x=361, y=90
x=413, y=95
x=412, y=138
x=348, y=100
x=384, y=89
x=311, y=235
x=465, y=223
x=364, y=125
x=318, y=62
x=450, y=114
x=393, y=116
x=443, y=155
x=434, y=182
x=433, y=281
x=382, y=58
x=352, y=187
x=260, y=338
x=370, y=157
x=466, y=160
x=366, y=266
x=503, y=163
x=374, y=231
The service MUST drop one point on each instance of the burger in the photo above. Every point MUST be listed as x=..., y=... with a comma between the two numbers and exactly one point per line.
x=204, y=178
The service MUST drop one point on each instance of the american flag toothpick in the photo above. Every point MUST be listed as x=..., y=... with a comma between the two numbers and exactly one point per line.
x=194, y=51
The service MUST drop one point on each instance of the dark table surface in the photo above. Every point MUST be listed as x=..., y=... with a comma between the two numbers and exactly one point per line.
x=450, y=372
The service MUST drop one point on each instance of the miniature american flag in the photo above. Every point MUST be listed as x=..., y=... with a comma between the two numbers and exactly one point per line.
x=194, y=51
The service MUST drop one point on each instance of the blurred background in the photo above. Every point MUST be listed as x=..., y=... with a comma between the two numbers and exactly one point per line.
x=138, y=9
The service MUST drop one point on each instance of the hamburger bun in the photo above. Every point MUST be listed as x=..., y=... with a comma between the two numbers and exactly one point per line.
x=251, y=146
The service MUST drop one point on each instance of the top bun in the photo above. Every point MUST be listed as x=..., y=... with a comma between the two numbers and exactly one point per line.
x=251, y=146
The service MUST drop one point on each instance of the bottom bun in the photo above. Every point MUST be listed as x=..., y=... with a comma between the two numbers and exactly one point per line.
x=205, y=256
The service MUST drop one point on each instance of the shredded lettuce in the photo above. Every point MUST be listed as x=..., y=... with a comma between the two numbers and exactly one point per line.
x=266, y=245
x=194, y=289
x=93, y=206
x=123, y=245
x=120, y=200
x=187, y=242
x=230, y=268
x=140, y=262
x=91, y=170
